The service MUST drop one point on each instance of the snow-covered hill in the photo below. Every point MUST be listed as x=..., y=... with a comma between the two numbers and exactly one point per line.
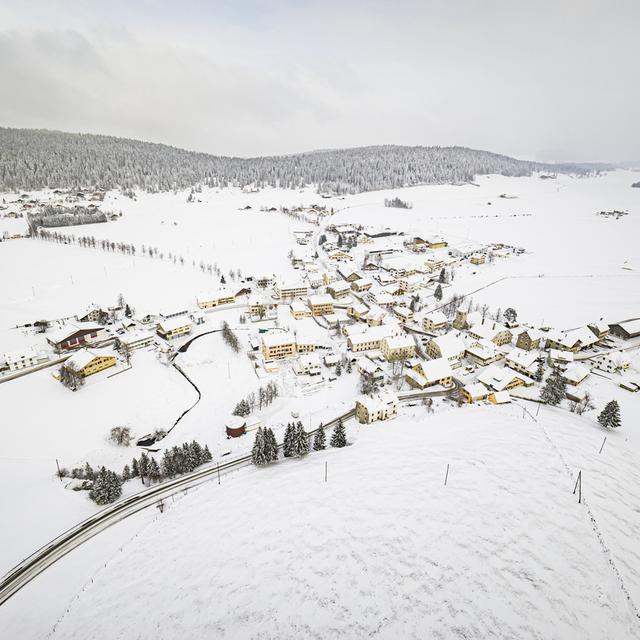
x=384, y=549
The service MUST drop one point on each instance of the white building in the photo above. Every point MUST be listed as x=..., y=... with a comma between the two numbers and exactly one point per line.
x=16, y=360
x=382, y=406
x=308, y=364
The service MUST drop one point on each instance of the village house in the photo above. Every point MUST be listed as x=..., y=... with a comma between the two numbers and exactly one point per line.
x=427, y=373
x=404, y=314
x=575, y=373
x=215, y=298
x=340, y=256
x=291, y=290
x=174, y=328
x=361, y=285
x=398, y=347
x=525, y=362
x=76, y=335
x=474, y=392
x=93, y=313
x=410, y=284
x=483, y=352
x=499, y=397
x=314, y=279
x=503, y=378
x=529, y=339
x=433, y=262
x=434, y=321
x=175, y=313
x=371, y=338
x=448, y=346
x=433, y=241
x=348, y=274
x=308, y=364
x=320, y=305
x=299, y=310
x=573, y=341
x=375, y=317
x=357, y=311
x=489, y=330
x=339, y=290
x=16, y=360
x=265, y=281
x=381, y=297
x=478, y=258
x=261, y=309
x=88, y=362
x=278, y=345
x=612, y=362
x=133, y=340
x=381, y=406
x=600, y=329
x=558, y=358
x=370, y=370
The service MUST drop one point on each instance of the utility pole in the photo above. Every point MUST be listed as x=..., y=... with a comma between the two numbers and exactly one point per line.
x=602, y=447
x=218, y=469
x=578, y=487
x=59, y=472
x=446, y=477
x=325, y=470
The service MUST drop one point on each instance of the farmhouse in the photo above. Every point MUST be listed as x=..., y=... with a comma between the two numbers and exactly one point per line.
x=361, y=285
x=474, y=392
x=523, y=361
x=627, y=329
x=87, y=362
x=600, y=329
x=379, y=407
x=76, y=335
x=502, y=378
x=447, y=346
x=320, y=305
x=339, y=290
x=494, y=331
x=174, y=328
x=357, y=311
x=429, y=373
x=348, y=274
x=370, y=370
x=371, y=338
x=93, y=313
x=575, y=373
x=432, y=241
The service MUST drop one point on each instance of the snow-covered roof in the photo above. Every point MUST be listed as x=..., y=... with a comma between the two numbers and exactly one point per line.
x=297, y=306
x=277, y=338
x=436, y=317
x=476, y=390
x=400, y=342
x=378, y=402
x=497, y=377
x=173, y=323
x=449, y=345
x=368, y=366
x=501, y=397
x=339, y=286
x=18, y=355
x=215, y=295
x=320, y=298
x=576, y=372
x=436, y=369
x=522, y=357
x=564, y=356
x=71, y=328
x=487, y=329
x=83, y=357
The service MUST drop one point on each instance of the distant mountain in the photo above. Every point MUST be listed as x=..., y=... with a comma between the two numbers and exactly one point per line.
x=36, y=158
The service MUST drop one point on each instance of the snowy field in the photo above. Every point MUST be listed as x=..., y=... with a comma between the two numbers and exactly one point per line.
x=384, y=549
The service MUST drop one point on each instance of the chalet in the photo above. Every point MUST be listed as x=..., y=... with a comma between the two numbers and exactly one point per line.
x=348, y=274
x=174, y=328
x=575, y=373
x=433, y=241
x=291, y=290
x=329, y=276
x=503, y=378
x=381, y=297
x=17, y=360
x=307, y=364
x=483, y=352
x=299, y=310
x=494, y=331
x=361, y=285
x=278, y=345
x=357, y=311
x=398, y=347
x=627, y=329
x=340, y=256
x=215, y=299
x=87, y=362
x=370, y=370
x=478, y=258
x=474, y=392
x=76, y=335
x=339, y=290
x=573, y=341
x=447, y=346
x=529, y=339
x=382, y=406
x=320, y=305
x=525, y=362
x=93, y=313
x=428, y=373
x=434, y=321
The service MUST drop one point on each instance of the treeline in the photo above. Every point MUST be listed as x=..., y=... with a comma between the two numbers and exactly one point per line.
x=266, y=395
x=397, y=203
x=50, y=215
x=35, y=159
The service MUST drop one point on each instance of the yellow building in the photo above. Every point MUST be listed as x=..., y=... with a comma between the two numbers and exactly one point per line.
x=320, y=305
x=380, y=407
x=398, y=347
x=215, y=299
x=278, y=346
x=299, y=310
x=87, y=362
x=478, y=258
x=174, y=328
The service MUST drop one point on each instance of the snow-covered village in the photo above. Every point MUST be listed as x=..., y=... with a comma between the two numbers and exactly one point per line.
x=375, y=391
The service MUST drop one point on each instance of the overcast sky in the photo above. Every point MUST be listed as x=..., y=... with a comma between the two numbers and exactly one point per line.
x=547, y=80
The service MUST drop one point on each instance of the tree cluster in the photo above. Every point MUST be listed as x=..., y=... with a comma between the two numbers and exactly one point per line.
x=554, y=390
x=266, y=395
x=265, y=447
x=230, y=337
x=70, y=377
x=609, y=417
x=397, y=203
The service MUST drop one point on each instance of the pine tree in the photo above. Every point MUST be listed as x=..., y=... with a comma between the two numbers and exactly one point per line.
x=349, y=366
x=288, y=441
x=271, y=445
x=442, y=276
x=143, y=467
x=206, y=454
x=106, y=487
x=339, y=436
x=338, y=369
x=89, y=473
x=437, y=294
x=258, y=455
x=300, y=441
x=539, y=374
x=154, y=470
x=555, y=390
x=126, y=473
x=319, y=439
x=609, y=417
x=135, y=471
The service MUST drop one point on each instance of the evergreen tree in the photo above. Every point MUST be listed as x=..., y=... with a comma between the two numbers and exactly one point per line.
x=206, y=454
x=288, y=441
x=319, y=439
x=258, y=454
x=126, y=473
x=339, y=369
x=106, y=487
x=271, y=445
x=300, y=441
x=349, y=366
x=442, y=276
x=539, y=374
x=609, y=417
x=437, y=294
x=154, y=470
x=510, y=315
x=555, y=390
x=143, y=467
x=89, y=473
x=135, y=470
x=339, y=436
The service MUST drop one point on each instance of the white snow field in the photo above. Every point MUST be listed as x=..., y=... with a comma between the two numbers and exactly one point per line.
x=384, y=549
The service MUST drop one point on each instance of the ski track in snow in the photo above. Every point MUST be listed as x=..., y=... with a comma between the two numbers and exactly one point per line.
x=384, y=549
